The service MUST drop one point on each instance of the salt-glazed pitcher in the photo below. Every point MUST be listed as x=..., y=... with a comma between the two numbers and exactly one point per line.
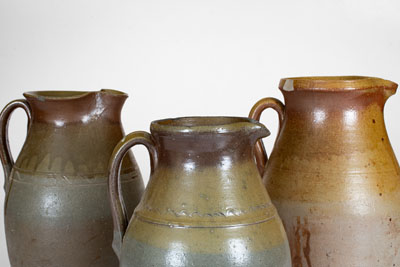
x=205, y=204
x=57, y=211
x=332, y=174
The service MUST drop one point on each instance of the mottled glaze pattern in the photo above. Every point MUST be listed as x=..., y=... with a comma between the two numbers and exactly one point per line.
x=57, y=211
x=205, y=204
x=333, y=175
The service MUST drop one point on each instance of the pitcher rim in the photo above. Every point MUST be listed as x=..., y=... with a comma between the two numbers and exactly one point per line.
x=216, y=124
x=334, y=83
x=70, y=94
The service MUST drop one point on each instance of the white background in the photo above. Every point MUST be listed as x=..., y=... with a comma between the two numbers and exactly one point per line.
x=179, y=58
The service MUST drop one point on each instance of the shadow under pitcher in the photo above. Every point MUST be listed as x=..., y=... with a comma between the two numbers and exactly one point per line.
x=205, y=204
x=332, y=174
x=57, y=211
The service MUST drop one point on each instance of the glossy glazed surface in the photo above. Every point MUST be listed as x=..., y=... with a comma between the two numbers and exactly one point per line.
x=56, y=209
x=333, y=175
x=205, y=204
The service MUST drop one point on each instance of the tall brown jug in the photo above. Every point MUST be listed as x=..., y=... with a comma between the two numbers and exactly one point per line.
x=57, y=211
x=332, y=174
x=205, y=204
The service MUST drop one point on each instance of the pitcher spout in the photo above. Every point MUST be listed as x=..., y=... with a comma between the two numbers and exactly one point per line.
x=258, y=131
x=113, y=96
x=389, y=91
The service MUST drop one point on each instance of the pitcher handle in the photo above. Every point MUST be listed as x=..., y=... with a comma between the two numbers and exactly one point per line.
x=118, y=208
x=255, y=113
x=5, y=153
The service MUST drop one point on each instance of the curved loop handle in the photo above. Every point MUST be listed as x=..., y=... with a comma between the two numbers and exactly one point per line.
x=118, y=208
x=255, y=113
x=5, y=153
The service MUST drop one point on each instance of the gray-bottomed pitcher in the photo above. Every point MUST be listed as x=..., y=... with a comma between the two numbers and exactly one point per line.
x=56, y=209
x=205, y=204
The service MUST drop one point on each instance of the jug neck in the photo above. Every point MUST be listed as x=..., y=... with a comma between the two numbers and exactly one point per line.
x=206, y=140
x=318, y=95
x=64, y=107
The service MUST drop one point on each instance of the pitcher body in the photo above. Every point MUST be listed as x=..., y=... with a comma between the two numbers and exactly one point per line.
x=56, y=208
x=205, y=204
x=332, y=174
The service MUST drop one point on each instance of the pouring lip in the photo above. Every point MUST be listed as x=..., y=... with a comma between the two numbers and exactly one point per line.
x=207, y=124
x=55, y=95
x=334, y=83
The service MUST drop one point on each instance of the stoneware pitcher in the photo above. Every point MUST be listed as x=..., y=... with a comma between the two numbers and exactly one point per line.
x=332, y=174
x=57, y=211
x=205, y=204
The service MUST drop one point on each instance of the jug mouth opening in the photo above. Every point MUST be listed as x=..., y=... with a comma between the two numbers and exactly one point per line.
x=207, y=124
x=69, y=94
x=334, y=83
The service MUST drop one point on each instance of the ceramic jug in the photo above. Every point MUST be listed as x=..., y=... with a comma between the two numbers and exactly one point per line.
x=57, y=211
x=205, y=204
x=332, y=174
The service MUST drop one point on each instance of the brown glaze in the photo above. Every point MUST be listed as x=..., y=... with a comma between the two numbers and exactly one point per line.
x=56, y=210
x=333, y=175
x=205, y=204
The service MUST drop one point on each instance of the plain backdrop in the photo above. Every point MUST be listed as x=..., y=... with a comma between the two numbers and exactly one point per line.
x=182, y=57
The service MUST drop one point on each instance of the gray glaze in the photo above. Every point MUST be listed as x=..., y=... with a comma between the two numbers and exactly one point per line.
x=141, y=254
x=42, y=231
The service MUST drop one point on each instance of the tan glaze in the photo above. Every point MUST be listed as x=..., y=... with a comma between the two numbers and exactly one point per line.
x=205, y=204
x=57, y=210
x=332, y=174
